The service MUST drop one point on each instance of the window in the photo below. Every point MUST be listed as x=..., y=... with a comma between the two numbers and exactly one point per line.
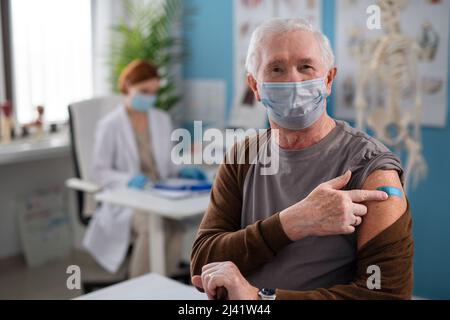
x=51, y=56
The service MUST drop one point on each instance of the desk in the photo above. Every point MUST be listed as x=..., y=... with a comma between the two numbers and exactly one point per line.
x=148, y=287
x=158, y=208
x=152, y=287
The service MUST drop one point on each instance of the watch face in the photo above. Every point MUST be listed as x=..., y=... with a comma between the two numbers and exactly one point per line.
x=268, y=292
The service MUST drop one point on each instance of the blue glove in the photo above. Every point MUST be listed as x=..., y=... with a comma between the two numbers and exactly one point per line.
x=138, y=182
x=192, y=173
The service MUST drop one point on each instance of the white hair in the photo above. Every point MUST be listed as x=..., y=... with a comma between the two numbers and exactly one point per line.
x=278, y=26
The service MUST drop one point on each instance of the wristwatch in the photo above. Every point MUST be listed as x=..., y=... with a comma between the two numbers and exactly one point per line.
x=267, y=294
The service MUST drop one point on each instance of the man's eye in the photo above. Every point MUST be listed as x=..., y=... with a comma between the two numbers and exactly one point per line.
x=305, y=67
x=277, y=69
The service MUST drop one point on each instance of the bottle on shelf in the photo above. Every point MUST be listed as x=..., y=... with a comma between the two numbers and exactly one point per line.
x=6, y=123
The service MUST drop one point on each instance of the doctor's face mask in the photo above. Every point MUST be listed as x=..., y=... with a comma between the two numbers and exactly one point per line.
x=143, y=96
x=295, y=105
x=143, y=102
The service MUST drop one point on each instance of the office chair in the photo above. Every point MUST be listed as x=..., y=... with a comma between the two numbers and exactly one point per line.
x=83, y=118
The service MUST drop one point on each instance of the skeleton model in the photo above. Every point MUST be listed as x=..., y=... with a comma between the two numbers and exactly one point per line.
x=388, y=67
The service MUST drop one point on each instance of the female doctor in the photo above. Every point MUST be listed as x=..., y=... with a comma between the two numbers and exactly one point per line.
x=132, y=148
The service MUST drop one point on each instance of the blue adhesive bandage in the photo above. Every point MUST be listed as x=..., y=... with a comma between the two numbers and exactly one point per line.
x=391, y=191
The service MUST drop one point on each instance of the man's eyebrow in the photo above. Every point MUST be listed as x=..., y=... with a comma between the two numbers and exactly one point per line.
x=307, y=61
x=275, y=62
x=283, y=61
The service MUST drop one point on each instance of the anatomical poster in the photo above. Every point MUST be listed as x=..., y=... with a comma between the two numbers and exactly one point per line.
x=421, y=37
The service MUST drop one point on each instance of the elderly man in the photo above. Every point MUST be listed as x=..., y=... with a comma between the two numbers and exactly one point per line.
x=318, y=228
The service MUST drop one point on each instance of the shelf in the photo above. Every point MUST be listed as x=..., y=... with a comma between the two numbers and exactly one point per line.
x=33, y=149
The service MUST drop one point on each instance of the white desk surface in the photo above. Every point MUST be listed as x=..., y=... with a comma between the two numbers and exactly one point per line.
x=31, y=149
x=151, y=287
x=144, y=200
x=148, y=287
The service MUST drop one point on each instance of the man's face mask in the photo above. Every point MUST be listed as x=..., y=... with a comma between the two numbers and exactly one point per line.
x=294, y=105
x=143, y=102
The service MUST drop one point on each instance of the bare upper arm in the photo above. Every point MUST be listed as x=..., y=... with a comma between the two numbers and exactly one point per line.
x=381, y=215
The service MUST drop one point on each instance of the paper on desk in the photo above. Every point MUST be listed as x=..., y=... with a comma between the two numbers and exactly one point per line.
x=174, y=195
x=177, y=194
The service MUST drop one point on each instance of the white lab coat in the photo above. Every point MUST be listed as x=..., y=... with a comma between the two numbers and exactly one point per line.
x=115, y=162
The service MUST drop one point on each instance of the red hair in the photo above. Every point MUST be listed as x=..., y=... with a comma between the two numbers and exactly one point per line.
x=136, y=72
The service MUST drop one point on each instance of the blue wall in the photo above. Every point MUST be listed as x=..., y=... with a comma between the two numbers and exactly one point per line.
x=210, y=44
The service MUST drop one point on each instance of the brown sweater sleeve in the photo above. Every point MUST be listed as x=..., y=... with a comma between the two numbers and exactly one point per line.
x=221, y=237
x=392, y=251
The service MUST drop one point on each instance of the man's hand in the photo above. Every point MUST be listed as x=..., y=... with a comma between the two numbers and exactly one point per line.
x=328, y=210
x=219, y=275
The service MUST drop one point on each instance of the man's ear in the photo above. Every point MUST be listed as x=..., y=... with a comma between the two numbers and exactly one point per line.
x=330, y=78
x=253, y=85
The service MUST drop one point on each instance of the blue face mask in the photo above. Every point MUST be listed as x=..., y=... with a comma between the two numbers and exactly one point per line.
x=143, y=102
x=295, y=105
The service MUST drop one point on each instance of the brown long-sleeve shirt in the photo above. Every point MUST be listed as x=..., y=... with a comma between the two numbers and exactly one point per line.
x=222, y=237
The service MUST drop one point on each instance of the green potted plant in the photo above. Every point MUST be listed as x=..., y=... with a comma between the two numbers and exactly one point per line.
x=146, y=33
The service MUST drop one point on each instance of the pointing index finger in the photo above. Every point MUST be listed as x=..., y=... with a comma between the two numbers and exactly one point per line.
x=368, y=195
